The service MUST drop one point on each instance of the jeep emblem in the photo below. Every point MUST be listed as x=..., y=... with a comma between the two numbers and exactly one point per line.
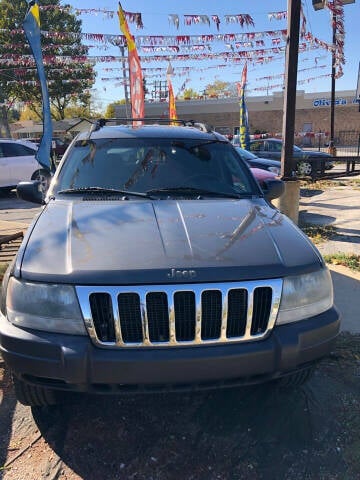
x=181, y=274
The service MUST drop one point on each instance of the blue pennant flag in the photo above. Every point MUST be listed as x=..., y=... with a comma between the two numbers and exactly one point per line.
x=31, y=26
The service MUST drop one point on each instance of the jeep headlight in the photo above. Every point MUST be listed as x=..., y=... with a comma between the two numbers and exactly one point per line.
x=304, y=296
x=41, y=306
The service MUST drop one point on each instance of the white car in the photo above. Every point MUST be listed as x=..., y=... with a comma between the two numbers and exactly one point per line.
x=18, y=163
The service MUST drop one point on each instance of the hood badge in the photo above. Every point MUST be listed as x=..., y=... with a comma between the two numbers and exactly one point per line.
x=181, y=274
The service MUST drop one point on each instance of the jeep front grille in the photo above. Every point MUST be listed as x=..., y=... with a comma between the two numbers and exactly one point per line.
x=179, y=315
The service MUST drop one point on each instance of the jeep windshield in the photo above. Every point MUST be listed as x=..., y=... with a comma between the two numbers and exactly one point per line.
x=153, y=166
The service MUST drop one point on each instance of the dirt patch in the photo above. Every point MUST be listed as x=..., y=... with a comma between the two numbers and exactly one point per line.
x=252, y=433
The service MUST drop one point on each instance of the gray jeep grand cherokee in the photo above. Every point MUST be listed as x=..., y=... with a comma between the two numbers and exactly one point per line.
x=157, y=262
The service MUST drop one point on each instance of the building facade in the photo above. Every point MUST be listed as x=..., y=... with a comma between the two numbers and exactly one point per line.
x=266, y=113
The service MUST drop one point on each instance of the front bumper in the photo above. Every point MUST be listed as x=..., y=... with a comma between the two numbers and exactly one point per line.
x=68, y=362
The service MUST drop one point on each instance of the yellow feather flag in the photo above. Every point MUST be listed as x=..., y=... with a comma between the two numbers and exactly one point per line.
x=172, y=105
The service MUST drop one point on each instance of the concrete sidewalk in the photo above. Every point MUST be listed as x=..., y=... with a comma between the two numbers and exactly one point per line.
x=339, y=206
x=347, y=297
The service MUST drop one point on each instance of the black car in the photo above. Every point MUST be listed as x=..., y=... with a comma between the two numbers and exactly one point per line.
x=253, y=161
x=157, y=263
x=305, y=159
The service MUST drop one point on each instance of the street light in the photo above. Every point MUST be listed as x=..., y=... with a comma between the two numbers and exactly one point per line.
x=318, y=5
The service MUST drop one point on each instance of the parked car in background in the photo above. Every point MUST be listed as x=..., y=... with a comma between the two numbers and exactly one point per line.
x=273, y=166
x=59, y=147
x=305, y=159
x=264, y=178
x=18, y=163
x=57, y=144
x=262, y=175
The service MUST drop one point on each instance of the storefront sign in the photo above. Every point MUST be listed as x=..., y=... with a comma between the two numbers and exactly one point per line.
x=326, y=102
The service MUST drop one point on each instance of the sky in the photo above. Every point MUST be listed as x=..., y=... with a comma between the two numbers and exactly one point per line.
x=314, y=67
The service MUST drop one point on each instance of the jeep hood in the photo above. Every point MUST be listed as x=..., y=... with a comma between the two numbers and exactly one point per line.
x=137, y=242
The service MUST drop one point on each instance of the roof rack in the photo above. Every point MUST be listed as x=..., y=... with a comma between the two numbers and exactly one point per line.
x=101, y=122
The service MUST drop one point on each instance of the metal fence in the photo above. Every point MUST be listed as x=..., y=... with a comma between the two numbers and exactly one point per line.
x=347, y=143
x=347, y=158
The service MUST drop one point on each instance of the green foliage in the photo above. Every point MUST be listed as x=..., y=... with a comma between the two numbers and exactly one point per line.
x=220, y=89
x=190, y=93
x=64, y=85
x=347, y=260
x=110, y=109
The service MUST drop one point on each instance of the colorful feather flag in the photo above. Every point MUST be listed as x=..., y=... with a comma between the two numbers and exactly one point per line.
x=136, y=76
x=31, y=27
x=172, y=105
x=244, y=134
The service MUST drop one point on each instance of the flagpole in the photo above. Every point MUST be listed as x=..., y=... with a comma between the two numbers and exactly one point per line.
x=125, y=76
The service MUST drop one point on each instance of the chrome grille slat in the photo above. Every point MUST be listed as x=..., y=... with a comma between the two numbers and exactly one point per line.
x=250, y=310
x=181, y=315
x=224, y=316
x=198, y=315
x=144, y=318
x=118, y=335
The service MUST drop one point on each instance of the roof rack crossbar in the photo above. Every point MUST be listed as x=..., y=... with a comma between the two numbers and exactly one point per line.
x=101, y=122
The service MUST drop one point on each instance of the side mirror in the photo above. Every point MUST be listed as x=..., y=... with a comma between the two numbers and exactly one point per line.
x=273, y=188
x=30, y=192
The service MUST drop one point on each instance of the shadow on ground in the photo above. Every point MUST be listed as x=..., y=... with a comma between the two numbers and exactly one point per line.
x=315, y=218
x=310, y=192
x=10, y=201
x=258, y=432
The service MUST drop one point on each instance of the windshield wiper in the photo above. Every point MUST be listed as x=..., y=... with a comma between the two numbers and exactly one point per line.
x=194, y=191
x=105, y=191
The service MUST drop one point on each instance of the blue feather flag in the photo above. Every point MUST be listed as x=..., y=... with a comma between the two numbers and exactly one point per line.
x=31, y=27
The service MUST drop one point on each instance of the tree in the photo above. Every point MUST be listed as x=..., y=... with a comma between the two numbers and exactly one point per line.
x=29, y=114
x=190, y=93
x=220, y=89
x=110, y=109
x=67, y=79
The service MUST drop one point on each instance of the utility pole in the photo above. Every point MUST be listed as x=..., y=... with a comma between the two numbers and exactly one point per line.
x=319, y=5
x=289, y=201
x=4, y=121
x=332, y=148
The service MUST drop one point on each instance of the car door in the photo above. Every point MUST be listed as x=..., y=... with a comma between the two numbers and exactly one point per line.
x=21, y=161
x=258, y=148
x=4, y=167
